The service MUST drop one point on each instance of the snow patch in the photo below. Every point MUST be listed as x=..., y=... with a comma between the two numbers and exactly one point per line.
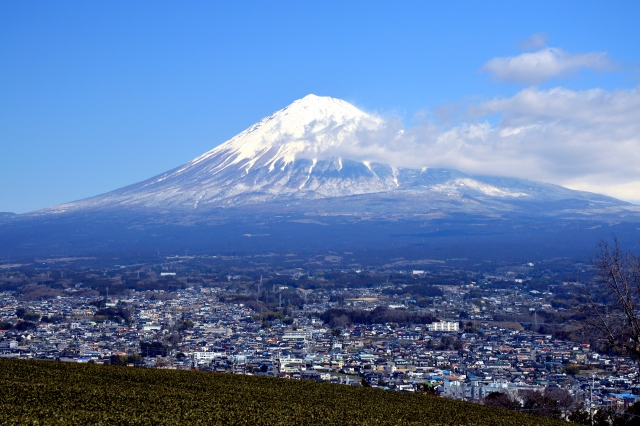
x=451, y=188
x=315, y=160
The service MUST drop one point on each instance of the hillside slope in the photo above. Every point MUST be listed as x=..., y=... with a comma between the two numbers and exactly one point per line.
x=41, y=392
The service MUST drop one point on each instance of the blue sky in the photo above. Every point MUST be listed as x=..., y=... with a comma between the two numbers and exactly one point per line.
x=98, y=95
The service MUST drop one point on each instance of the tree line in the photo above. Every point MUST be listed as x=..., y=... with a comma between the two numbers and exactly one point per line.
x=379, y=315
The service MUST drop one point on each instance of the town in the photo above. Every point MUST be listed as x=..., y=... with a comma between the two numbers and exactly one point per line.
x=464, y=333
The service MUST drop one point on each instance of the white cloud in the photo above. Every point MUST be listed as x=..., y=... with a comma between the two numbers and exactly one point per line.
x=587, y=140
x=536, y=41
x=629, y=191
x=536, y=67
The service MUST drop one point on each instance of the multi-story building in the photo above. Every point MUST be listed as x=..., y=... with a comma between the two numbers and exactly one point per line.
x=443, y=326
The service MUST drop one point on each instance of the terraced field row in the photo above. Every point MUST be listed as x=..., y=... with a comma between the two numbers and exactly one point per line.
x=41, y=392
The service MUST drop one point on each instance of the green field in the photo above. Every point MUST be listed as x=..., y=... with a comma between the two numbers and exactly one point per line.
x=42, y=392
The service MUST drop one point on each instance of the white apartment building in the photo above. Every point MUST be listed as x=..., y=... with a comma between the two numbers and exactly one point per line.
x=297, y=336
x=443, y=326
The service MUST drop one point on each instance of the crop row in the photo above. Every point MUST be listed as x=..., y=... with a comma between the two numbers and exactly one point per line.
x=41, y=392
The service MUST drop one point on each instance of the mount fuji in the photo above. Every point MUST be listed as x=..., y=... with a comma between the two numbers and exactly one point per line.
x=298, y=179
x=291, y=156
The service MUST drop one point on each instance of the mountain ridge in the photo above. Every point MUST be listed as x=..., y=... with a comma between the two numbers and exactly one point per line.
x=290, y=156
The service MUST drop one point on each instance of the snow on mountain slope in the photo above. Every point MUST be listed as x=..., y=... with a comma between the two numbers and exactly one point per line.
x=310, y=125
x=287, y=156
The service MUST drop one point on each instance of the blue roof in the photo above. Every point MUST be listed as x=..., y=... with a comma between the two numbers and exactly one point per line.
x=626, y=395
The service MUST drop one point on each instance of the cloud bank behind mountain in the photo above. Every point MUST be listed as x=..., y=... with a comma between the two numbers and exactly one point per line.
x=587, y=140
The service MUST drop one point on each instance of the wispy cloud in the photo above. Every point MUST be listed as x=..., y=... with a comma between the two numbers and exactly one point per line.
x=537, y=67
x=588, y=140
x=535, y=41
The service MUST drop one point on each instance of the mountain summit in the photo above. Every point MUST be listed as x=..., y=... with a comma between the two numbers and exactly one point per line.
x=297, y=154
x=311, y=125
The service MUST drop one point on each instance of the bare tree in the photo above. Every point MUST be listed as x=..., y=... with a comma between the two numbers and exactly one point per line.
x=556, y=403
x=613, y=306
x=502, y=400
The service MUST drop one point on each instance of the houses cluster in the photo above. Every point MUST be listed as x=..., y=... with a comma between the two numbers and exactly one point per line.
x=194, y=329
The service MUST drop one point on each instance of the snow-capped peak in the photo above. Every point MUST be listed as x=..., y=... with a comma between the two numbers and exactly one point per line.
x=308, y=126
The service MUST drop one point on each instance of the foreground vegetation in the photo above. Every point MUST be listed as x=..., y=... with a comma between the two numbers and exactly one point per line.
x=41, y=392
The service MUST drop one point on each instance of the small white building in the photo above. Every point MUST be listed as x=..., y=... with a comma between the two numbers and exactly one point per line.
x=206, y=356
x=296, y=336
x=443, y=326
